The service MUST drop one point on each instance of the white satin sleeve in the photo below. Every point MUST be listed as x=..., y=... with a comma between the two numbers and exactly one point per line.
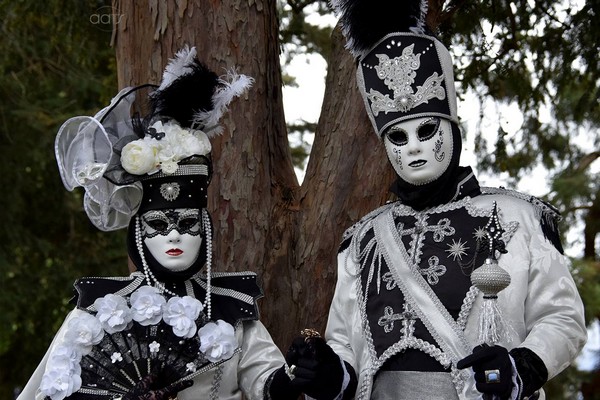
x=554, y=314
x=343, y=323
x=260, y=357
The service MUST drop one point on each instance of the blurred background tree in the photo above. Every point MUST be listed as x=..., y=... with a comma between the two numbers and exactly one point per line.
x=56, y=62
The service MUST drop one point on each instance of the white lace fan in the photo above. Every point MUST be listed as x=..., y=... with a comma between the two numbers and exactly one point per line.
x=105, y=355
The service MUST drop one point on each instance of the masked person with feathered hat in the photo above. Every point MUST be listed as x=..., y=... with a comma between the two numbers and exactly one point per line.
x=174, y=328
x=454, y=291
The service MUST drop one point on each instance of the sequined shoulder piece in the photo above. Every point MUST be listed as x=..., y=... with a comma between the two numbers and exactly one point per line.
x=87, y=290
x=548, y=215
x=234, y=296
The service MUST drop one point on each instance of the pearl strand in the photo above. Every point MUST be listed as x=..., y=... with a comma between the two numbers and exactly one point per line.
x=150, y=278
x=208, y=238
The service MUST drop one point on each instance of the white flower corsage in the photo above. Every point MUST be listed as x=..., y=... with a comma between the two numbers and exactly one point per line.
x=217, y=340
x=147, y=305
x=150, y=154
x=137, y=157
x=113, y=313
x=83, y=332
x=63, y=373
x=181, y=313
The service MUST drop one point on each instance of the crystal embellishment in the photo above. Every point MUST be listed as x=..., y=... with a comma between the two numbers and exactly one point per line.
x=170, y=191
x=399, y=74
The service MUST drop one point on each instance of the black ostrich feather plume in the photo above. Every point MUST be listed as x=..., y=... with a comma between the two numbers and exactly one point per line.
x=187, y=88
x=365, y=22
x=193, y=95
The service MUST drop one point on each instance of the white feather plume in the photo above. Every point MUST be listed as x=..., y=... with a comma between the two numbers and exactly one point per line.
x=421, y=24
x=178, y=66
x=233, y=85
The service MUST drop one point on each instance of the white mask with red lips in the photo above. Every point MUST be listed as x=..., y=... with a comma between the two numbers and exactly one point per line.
x=173, y=236
x=420, y=149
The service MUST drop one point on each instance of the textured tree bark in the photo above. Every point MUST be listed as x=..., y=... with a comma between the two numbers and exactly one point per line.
x=347, y=176
x=264, y=221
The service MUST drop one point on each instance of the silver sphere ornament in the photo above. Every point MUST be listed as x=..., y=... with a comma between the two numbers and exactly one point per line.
x=490, y=278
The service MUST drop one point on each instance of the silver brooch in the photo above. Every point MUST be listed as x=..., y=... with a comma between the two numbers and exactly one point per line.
x=170, y=191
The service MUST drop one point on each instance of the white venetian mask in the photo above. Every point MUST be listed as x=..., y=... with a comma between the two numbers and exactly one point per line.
x=173, y=236
x=419, y=149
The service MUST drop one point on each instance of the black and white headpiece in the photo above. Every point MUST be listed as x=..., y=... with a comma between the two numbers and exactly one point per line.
x=131, y=162
x=403, y=71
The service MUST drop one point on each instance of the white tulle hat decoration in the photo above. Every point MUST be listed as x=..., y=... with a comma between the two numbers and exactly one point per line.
x=114, y=153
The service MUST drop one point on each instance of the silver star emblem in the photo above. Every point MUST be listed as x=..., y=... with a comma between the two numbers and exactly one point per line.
x=480, y=234
x=457, y=249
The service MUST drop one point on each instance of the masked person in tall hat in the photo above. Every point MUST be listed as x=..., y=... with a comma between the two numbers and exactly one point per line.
x=418, y=311
x=174, y=327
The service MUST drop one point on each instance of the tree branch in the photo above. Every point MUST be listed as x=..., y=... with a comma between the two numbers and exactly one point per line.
x=586, y=160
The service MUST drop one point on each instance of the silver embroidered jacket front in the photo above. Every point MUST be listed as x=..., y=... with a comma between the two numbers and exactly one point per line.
x=374, y=320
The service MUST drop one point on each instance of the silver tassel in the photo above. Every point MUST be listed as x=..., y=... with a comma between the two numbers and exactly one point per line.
x=490, y=278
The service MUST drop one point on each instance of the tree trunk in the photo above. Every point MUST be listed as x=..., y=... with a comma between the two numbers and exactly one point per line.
x=264, y=221
x=591, y=229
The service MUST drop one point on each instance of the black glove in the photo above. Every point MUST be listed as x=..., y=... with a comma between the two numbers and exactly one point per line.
x=488, y=363
x=279, y=386
x=531, y=370
x=145, y=390
x=317, y=370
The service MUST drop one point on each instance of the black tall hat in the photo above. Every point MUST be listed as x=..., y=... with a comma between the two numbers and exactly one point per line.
x=403, y=72
x=131, y=163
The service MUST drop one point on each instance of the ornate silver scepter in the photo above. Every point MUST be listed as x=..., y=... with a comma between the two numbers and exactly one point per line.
x=490, y=278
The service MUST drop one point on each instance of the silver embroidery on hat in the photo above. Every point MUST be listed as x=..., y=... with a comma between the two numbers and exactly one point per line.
x=170, y=191
x=399, y=74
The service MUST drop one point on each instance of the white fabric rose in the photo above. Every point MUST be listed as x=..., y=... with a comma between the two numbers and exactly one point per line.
x=63, y=373
x=217, y=340
x=64, y=358
x=202, y=145
x=59, y=384
x=137, y=157
x=169, y=167
x=148, y=155
x=113, y=313
x=84, y=331
x=167, y=145
x=164, y=152
x=181, y=313
x=184, y=143
x=147, y=305
x=173, y=139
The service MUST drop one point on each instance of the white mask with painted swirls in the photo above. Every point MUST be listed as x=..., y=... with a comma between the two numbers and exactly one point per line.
x=420, y=150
